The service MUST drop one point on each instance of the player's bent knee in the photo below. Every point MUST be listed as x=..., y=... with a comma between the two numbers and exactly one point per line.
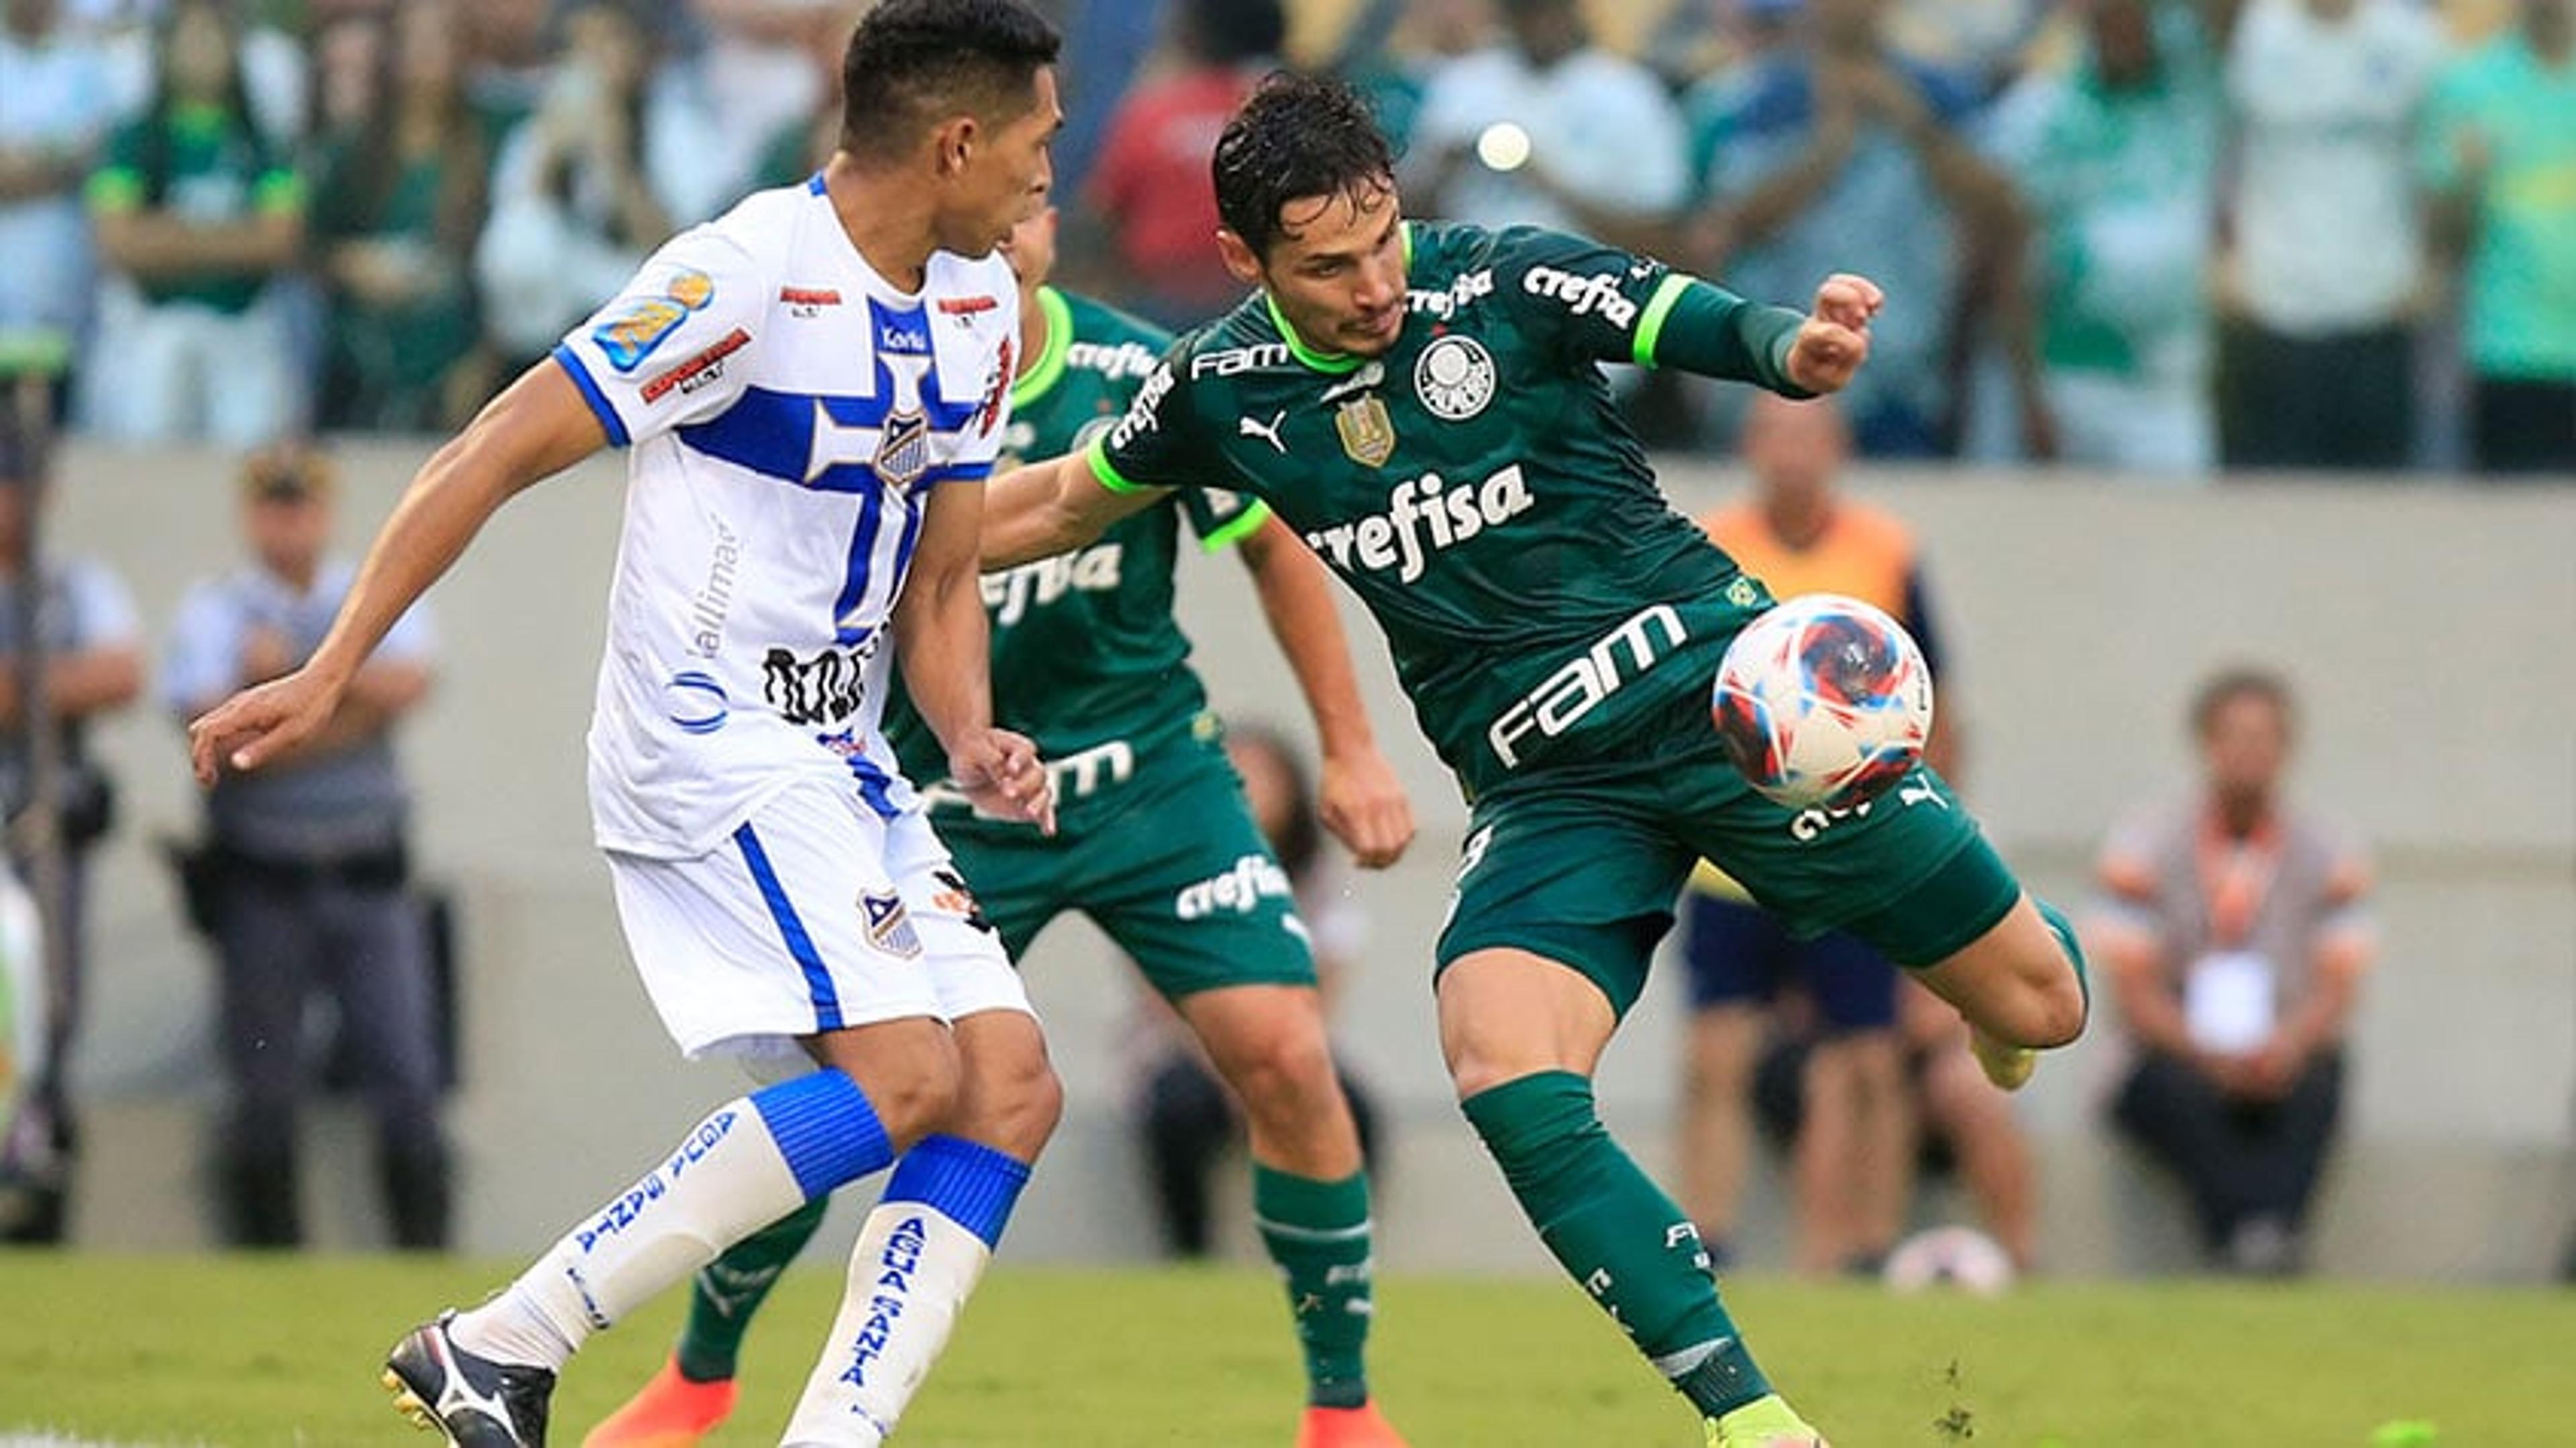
x=1012, y=1099
x=2060, y=1013
x=1289, y=1068
x=908, y=1069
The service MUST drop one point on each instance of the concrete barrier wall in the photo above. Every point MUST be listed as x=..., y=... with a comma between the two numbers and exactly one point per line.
x=2428, y=628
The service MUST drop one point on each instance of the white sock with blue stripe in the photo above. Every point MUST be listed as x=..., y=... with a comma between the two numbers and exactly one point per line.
x=917, y=1260
x=753, y=1160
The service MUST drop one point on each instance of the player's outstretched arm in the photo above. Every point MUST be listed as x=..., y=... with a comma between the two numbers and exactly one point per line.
x=536, y=428
x=943, y=644
x=1360, y=800
x=1045, y=508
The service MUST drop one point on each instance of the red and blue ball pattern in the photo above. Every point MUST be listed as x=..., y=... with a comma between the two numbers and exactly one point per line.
x=1824, y=700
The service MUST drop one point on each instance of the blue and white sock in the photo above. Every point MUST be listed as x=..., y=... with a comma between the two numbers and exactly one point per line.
x=917, y=1260
x=753, y=1160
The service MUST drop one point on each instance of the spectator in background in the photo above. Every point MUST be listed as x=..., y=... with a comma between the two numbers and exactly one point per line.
x=272, y=62
x=200, y=222
x=1799, y=536
x=508, y=50
x=93, y=666
x=2117, y=161
x=54, y=113
x=306, y=868
x=2236, y=932
x=396, y=207
x=757, y=73
x=2500, y=154
x=1391, y=54
x=1984, y=45
x=799, y=146
x=2324, y=277
x=1545, y=128
x=1150, y=195
x=1825, y=151
x=1186, y=1118
x=606, y=169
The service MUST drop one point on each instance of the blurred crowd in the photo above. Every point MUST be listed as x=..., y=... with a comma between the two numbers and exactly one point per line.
x=2160, y=237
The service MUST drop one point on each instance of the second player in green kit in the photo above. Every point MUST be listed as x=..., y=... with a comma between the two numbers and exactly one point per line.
x=1422, y=404
x=1155, y=842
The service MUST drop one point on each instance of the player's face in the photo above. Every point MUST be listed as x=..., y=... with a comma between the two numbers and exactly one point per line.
x=2245, y=747
x=1336, y=269
x=999, y=173
x=1030, y=249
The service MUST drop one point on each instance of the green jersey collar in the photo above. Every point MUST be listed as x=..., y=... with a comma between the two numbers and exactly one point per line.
x=1048, y=367
x=1334, y=362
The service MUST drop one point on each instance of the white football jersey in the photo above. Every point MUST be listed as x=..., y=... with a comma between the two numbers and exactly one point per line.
x=788, y=411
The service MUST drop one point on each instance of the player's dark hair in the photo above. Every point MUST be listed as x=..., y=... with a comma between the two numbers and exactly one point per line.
x=1301, y=835
x=2242, y=682
x=1298, y=136
x=1231, y=32
x=914, y=63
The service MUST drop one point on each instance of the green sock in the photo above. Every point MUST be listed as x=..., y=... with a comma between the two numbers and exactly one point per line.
x=1617, y=1234
x=2064, y=930
x=727, y=1291
x=1318, y=1233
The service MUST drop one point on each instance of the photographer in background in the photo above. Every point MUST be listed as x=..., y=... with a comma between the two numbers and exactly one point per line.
x=92, y=664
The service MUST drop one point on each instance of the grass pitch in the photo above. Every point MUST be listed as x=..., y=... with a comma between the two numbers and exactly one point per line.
x=285, y=1351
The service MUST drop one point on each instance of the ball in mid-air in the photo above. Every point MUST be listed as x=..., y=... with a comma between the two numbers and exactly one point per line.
x=1503, y=146
x=1824, y=700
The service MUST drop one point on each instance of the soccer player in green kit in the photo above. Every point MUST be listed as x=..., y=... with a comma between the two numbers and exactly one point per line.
x=1420, y=401
x=1155, y=842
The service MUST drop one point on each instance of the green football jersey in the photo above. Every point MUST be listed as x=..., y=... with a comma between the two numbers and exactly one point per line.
x=1087, y=659
x=1477, y=486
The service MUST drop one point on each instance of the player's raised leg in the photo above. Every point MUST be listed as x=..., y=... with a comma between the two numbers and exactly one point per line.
x=1310, y=1191
x=2020, y=986
x=1522, y=1035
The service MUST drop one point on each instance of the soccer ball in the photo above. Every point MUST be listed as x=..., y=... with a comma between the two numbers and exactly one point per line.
x=1960, y=1257
x=1824, y=700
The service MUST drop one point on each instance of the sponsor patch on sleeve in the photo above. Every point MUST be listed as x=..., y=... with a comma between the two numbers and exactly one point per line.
x=629, y=337
x=697, y=371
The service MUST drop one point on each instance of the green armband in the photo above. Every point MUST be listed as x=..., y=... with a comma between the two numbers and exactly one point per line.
x=1105, y=472
x=1708, y=330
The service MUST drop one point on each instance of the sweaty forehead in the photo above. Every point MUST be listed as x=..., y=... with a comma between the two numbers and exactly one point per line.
x=1350, y=220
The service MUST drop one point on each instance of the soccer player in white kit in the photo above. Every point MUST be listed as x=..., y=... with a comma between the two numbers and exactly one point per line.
x=812, y=389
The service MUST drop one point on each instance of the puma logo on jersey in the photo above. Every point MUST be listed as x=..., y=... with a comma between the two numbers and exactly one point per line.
x=1013, y=591
x=1423, y=516
x=1266, y=431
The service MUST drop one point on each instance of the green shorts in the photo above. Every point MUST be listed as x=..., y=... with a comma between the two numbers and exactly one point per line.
x=1177, y=874
x=1585, y=871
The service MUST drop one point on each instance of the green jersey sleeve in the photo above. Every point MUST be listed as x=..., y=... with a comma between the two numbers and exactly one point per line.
x=1222, y=517
x=1598, y=303
x=1159, y=442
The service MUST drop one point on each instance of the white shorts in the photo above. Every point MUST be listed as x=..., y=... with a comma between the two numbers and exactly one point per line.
x=818, y=913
